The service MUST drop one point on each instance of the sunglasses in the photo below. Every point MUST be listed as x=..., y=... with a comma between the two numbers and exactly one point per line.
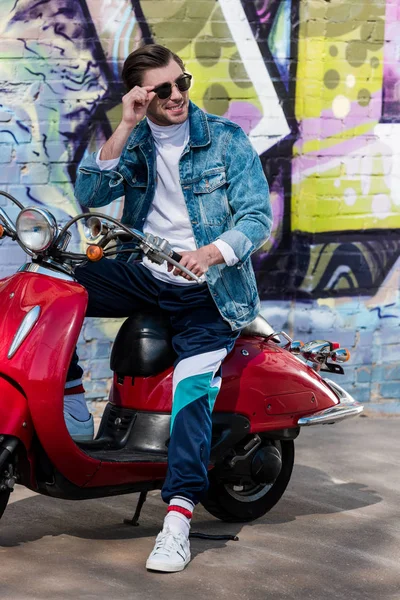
x=164, y=90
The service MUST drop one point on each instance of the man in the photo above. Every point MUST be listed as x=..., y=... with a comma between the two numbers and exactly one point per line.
x=195, y=180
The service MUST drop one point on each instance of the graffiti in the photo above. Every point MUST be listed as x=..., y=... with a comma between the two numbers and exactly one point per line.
x=315, y=85
x=342, y=206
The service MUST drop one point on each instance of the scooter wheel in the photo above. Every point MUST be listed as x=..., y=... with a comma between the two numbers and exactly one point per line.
x=239, y=504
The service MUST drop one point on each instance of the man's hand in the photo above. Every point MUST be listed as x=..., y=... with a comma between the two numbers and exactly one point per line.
x=198, y=261
x=134, y=105
x=134, y=108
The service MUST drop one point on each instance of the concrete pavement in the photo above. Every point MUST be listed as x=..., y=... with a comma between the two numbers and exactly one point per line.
x=335, y=534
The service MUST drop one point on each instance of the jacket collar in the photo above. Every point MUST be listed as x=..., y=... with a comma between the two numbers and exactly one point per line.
x=139, y=135
x=199, y=130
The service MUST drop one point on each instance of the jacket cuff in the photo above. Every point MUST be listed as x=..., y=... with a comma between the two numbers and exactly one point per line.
x=106, y=165
x=239, y=242
x=227, y=252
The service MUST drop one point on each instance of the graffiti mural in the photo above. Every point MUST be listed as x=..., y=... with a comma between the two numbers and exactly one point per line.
x=314, y=84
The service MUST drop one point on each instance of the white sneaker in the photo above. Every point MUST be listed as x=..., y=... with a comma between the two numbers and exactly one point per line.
x=171, y=552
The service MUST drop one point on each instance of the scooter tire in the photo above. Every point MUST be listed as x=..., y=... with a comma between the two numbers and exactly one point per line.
x=232, y=507
x=4, y=497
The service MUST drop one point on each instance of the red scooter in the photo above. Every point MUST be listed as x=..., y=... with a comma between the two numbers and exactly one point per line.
x=270, y=389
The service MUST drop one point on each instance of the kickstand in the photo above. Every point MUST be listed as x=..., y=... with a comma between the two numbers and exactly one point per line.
x=211, y=536
x=134, y=521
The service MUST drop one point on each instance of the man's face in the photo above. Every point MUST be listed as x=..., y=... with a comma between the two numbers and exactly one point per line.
x=173, y=110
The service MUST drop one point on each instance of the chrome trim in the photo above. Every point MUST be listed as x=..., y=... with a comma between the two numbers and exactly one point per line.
x=24, y=329
x=344, y=397
x=64, y=241
x=45, y=270
x=275, y=336
x=332, y=415
x=347, y=407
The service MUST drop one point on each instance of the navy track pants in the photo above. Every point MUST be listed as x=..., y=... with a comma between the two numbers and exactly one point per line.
x=201, y=340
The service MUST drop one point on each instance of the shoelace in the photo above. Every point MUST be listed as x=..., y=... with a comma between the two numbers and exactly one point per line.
x=167, y=543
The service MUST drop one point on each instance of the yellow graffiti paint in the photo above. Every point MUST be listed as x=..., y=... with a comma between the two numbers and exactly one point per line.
x=339, y=164
x=199, y=34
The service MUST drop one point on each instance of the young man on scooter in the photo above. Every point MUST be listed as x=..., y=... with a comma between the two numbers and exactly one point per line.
x=195, y=180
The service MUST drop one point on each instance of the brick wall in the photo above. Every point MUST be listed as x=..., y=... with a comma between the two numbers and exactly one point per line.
x=315, y=85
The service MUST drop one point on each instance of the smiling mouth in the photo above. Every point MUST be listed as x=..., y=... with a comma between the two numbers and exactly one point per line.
x=176, y=107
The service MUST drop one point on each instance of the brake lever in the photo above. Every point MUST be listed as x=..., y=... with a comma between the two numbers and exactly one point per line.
x=159, y=249
x=181, y=267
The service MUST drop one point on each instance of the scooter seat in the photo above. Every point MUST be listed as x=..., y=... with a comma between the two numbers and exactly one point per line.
x=143, y=346
x=258, y=328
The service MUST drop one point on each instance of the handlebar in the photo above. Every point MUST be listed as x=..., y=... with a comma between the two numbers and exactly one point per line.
x=157, y=249
x=14, y=200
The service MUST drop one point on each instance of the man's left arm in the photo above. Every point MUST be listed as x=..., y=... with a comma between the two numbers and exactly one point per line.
x=248, y=197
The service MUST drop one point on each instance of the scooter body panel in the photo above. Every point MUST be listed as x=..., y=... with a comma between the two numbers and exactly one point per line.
x=41, y=362
x=270, y=386
x=15, y=418
x=152, y=394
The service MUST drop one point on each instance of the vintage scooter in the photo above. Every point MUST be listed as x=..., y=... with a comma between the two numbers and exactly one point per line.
x=269, y=389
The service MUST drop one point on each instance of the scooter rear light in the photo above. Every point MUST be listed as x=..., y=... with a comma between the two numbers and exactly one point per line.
x=94, y=253
x=335, y=345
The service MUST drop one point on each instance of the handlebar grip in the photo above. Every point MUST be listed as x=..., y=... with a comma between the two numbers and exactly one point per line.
x=176, y=256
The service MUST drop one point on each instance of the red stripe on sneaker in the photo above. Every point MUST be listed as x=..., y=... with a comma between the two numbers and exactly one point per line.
x=78, y=389
x=184, y=511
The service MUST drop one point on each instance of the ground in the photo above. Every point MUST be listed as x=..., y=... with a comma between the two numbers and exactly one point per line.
x=335, y=534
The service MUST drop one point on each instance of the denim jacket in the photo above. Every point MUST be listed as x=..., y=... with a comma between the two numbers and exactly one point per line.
x=226, y=194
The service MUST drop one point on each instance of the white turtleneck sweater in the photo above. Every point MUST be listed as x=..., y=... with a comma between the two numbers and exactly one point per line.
x=168, y=216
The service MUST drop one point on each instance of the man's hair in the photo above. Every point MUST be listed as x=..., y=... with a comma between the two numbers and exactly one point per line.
x=150, y=56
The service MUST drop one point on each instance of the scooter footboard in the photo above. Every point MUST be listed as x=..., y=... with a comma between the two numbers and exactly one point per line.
x=15, y=418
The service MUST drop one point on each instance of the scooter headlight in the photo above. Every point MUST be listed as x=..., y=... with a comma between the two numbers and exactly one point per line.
x=36, y=229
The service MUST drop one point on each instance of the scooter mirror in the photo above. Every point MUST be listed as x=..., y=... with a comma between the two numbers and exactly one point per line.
x=93, y=228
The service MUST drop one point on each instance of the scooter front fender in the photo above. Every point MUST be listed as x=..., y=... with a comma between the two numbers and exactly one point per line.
x=15, y=418
x=40, y=362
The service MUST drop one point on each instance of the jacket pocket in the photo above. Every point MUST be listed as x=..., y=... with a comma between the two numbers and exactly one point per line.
x=210, y=192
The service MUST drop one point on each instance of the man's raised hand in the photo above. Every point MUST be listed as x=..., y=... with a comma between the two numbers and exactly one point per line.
x=135, y=103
